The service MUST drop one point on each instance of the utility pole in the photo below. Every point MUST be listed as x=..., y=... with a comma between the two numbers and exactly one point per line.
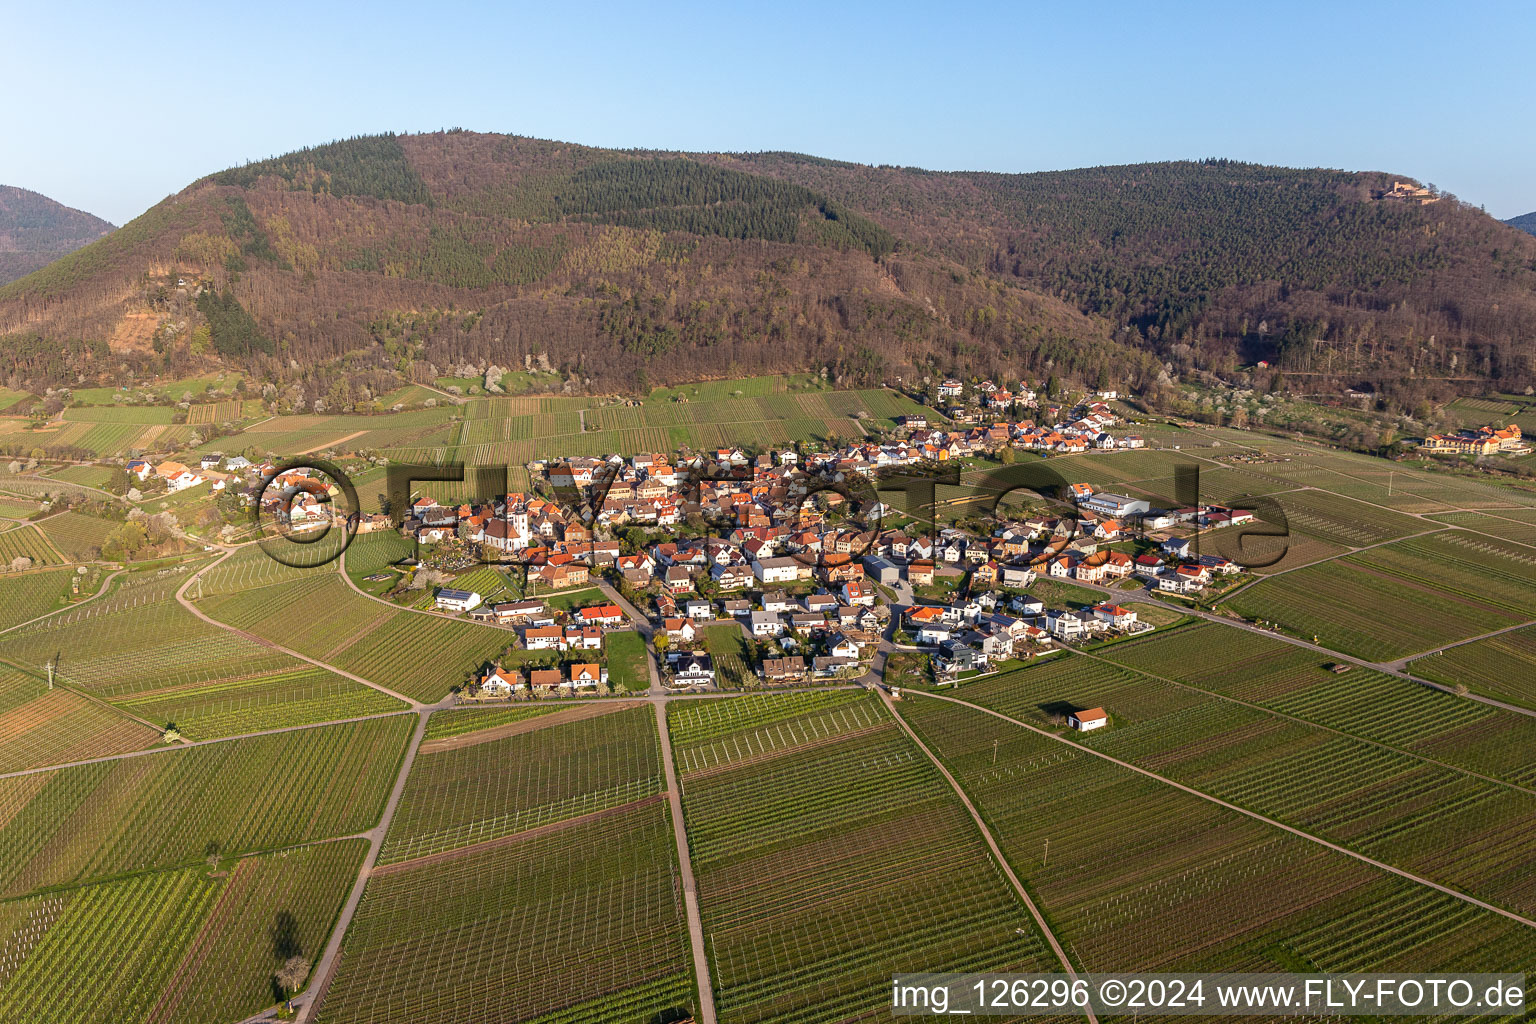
x=50, y=673
x=1047, y=854
x=994, y=753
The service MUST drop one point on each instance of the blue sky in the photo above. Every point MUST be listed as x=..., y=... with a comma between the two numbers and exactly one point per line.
x=111, y=107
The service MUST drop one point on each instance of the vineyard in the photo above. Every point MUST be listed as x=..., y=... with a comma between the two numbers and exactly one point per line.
x=228, y=410
x=270, y=700
x=78, y=537
x=1356, y=609
x=581, y=924
x=1371, y=705
x=727, y=646
x=140, y=650
x=86, y=476
x=489, y=788
x=39, y=726
x=173, y=808
x=176, y=947
x=25, y=596
x=421, y=656
x=1502, y=666
x=1420, y=815
x=26, y=542
x=829, y=853
x=458, y=721
x=1222, y=892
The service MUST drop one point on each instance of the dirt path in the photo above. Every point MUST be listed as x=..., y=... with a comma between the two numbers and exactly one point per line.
x=1234, y=807
x=997, y=853
x=706, y=1014
x=71, y=607
x=181, y=598
x=330, y=444
x=325, y=967
x=516, y=837
x=1401, y=664
x=499, y=732
x=1390, y=668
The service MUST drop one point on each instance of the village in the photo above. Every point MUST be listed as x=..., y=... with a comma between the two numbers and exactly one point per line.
x=782, y=568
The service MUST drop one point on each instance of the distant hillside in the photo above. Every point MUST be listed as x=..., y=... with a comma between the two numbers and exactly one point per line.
x=1525, y=222
x=400, y=257
x=35, y=231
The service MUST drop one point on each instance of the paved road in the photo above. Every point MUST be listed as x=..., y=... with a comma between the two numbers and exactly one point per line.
x=706, y=1014
x=1229, y=806
x=997, y=853
x=325, y=967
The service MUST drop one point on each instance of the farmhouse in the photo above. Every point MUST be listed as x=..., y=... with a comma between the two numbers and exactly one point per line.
x=602, y=615
x=1089, y=719
x=544, y=638
x=778, y=570
x=679, y=629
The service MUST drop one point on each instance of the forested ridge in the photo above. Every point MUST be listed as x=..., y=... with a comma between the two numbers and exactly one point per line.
x=623, y=267
x=36, y=230
x=1525, y=222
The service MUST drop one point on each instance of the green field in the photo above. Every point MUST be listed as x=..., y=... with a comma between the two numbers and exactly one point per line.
x=180, y=947
x=173, y=808
x=1138, y=876
x=421, y=656
x=829, y=853
x=628, y=666
x=578, y=921
x=460, y=796
x=1409, y=808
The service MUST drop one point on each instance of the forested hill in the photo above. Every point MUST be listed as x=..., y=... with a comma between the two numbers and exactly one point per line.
x=1525, y=222
x=391, y=256
x=35, y=231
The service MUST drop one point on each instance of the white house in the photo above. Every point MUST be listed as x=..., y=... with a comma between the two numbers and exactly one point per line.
x=694, y=668
x=776, y=570
x=1114, y=615
x=767, y=624
x=499, y=682
x=457, y=600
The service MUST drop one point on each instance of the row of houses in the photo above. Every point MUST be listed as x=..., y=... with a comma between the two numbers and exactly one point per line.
x=508, y=682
